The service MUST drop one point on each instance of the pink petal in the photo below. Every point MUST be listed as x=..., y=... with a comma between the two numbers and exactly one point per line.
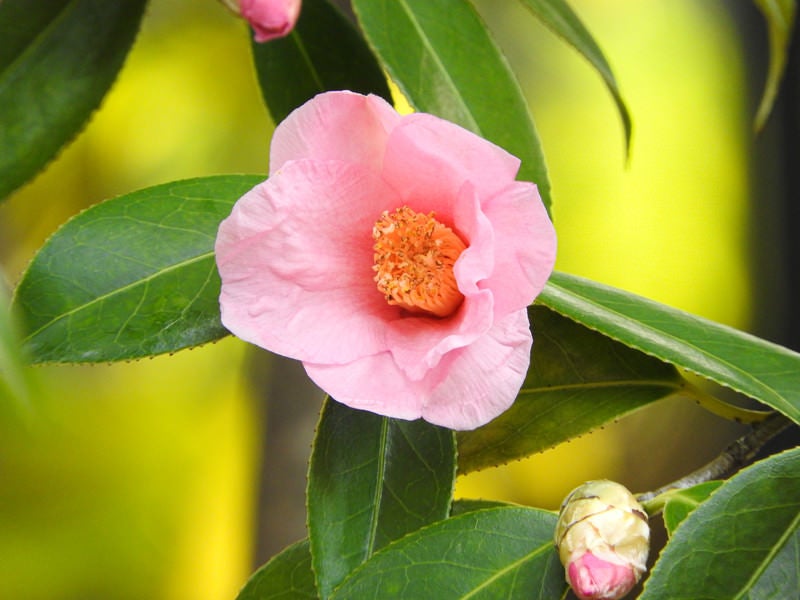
x=593, y=578
x=335, y=126
x=484, y=378
x=373, y=383
x=270, y=19
x=525, y=250
x=467, y=389
x=419, y=343
x=428, y=160
x=476, y=262
x=300, y=282
x=296, y=257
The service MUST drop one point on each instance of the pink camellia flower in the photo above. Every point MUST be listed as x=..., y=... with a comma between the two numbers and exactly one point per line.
x=394, y=256
x=270, y=19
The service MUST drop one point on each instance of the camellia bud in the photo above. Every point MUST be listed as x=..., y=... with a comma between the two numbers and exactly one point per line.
x=603, y=539
x=269, y=19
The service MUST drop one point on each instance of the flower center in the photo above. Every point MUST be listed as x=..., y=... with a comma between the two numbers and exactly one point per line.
x=414, y=258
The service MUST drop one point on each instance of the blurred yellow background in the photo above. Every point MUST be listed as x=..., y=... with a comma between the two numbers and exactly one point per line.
x=139, y=480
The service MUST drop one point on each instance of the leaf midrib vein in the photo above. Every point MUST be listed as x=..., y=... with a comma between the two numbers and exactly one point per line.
x=502, y=572
x=744, y=374
x=379, y=484
x=762, y=567
x=103, y=297
x=442, y=69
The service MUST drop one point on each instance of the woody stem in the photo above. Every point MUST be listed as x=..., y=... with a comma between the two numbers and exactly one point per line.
x=740, y=453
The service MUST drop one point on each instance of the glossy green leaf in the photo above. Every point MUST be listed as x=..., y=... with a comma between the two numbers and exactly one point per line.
x=324, y=52
x=493, y=553
x=58, y=60
x=741, y=543
x=780, y=15
x=559, y=17
x=287, y=576
x=781, y=577
x=444, y=60
x=679, y=503
x=578, y=380
x=372, y=480
x=752, y=366
x=130, y=277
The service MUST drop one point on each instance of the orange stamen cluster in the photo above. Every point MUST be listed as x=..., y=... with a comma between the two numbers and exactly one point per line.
x=414, y=258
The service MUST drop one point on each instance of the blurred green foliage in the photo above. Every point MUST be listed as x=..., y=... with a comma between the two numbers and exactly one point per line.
x=136, y=480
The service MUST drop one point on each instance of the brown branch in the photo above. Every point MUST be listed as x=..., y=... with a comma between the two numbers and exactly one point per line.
x=739, y=454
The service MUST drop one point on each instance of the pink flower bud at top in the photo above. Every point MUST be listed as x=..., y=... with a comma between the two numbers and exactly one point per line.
x=269, y=19
x=603, y=539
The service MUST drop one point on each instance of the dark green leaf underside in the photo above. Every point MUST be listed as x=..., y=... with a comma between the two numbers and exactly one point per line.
x=780, y=16
x=752, y=366
x=58, y=60
x=323, y=53
x=465, y=505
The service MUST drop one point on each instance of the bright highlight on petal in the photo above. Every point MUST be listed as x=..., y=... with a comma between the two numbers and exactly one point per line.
x=414, y=258
x=395, y=256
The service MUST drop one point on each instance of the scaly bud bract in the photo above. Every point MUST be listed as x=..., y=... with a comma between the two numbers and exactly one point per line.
x=603, y=539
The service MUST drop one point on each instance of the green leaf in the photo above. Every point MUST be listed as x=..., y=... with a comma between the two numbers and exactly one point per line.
x=752, y=366
x=557, y=16
x=58, y=60
x=465, y=505
x=741, y=543
x=131, y=277
x=780, y=16
x=577, y=381
x=442, y=57
x=493, y=553
x=324, y=52
x=679, y=503
x=781, y=578
x=16, y=384
x=287, y=576
x=372, y=480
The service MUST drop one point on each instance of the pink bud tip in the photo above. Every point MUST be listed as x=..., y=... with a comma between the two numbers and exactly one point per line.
x=593, y=578
x=270, y=19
